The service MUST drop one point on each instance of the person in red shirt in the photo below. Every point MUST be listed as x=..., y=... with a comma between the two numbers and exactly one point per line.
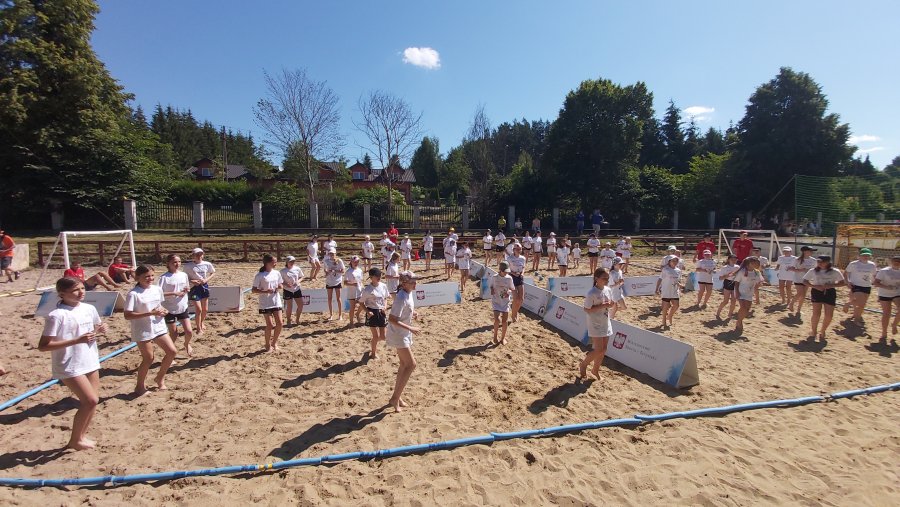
x=742, y=247
x=119, y=272
x=7, y=250
x=101, y=278
x=706, y=244
x=393, y=234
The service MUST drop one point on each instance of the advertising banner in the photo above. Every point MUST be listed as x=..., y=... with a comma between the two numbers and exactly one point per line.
x=570, y=285
x=316, y=301
x=536, y=299
x=443, y=293
x=568, y=317
x=640, y=285
x=225, y=299
x=106, y=302
x=663, y=358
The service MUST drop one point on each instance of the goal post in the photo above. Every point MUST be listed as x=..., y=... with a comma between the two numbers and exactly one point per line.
x=766, y=240
x=62, y=240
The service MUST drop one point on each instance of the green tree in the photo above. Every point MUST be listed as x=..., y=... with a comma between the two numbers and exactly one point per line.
x=454, y=174
x=653, y=144
x=660, y=194
x=426, y=162
x=678, y=154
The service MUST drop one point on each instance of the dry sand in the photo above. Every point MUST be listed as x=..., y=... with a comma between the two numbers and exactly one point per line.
x=234, y=405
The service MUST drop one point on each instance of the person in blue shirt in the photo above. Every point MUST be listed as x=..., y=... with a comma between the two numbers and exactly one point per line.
x=597, y=221
x=579, y=222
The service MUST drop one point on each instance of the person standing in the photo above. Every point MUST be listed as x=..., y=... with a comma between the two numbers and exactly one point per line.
x=499, y=245
x=7, y=251
x=399, y=335
x=291, y=275
x=551, y=251
x=502, y=288
x=143, y=308
x=593, y=248
x=374, y=298
x=887, y=280
x=802, y=266
x=537, y=245
x=175, y=286
x=353, y=284
x=501, y=224
x=368, y=252
x=746, y=282
x=393, y=234
x=488, y=241
x=823, y=280
x=516, y=263
x=428, y=247
x=705, y=244
x=268, y=284
x=463, y=263
x=562, y=258
x=597, y=303
x=742, y=246
x=860, y=275
x=406, y=248
x=199, y=272
x=312, y=254
x=704, y=273
x=597, y=221
x=579, y=222
x=668, y=286
x=785, y=277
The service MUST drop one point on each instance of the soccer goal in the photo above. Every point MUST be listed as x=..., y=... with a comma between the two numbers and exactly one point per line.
x=63, y=241
x=766, y=240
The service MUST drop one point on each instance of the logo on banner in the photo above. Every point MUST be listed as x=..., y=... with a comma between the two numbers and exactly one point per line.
x=619, y=340
x=560, y=311
x=564, y=286
x=305, y=299
x=542, y=310
x=420, y=295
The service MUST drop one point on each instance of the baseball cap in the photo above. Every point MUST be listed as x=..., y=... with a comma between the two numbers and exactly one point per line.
x=671, y=248
x=865, y=251
x=290, y=258
x=197, y=250
x=503, y=267
x=824, y=258
x=805, y=248
x=787, y=249
x=707, y=252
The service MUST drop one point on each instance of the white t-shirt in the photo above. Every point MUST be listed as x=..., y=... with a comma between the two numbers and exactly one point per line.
x=593, y=245
x=368, y=250
x=537, y=244
x=174, y=282
x=516, y=264
x=395, y=336
x=861, y=273
x=551, y=245
x=463, y=258
x=374, y=296
x=429, y=243
x=450, y=252
x=488, y=241
x=353, y=280
x=141, y=300
x=66, y=323
x=509, y=248
x=199, y=270
x=626, y=250
x=330, y=244
x=804, y=267
x=502, y=288
x=406, y=248
x=747, y=282
x=823, y=277
x=706, y=264
x=784, y=262
x=668, y=287
x=576, y=252
x=620, y=246
x=500, y=239
x=615, y=287
x=268, y=280
x=290, y=278
x=334, y=270
x=890, y=282
x=527, y=243
x=598, y=323
x=562, y=256
x=393, y=277
x=606, y=257
x=312, y=250
x=728, y=271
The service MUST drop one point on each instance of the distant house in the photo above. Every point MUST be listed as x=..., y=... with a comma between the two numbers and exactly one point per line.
x=328, y=171
x=205, y=169
x=401, y=179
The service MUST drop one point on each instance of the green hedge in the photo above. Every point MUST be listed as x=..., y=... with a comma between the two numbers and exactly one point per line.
x=213, y=193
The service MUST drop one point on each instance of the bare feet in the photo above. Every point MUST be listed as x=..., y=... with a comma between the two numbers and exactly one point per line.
x=398, y=405
x=582, y=370
x=140, y=391
x=161, y=384
x=596, y=373
x=82, y=445
x=503, y=341
x=189, y=350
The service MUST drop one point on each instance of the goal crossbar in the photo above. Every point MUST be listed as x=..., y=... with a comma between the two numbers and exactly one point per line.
x=63, y=240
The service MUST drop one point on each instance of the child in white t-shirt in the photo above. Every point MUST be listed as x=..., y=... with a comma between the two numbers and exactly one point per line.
x=463, y=263
x=268, y=284
x=824, y=280
x=616, y=284
x=428, y=248
x=576, y=255
x=887, y=280
x=746, y=282
x=291, y=276
x=726, y=274
x=703, y=274
x=392, y=273
x=597, y=303
x=312, y=254
x=562, y=259
x=668, y=286
x=368, y=252
x=374, y=299
x=353, y=284
x=502, y=289
x=70, y=334
x=785, y=277
x=175, y=286
x=406, y=248
x=551, y=251
x=143, y=308
x=199, y=272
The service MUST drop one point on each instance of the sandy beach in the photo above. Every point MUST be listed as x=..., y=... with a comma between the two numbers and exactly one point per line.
x=234, y=404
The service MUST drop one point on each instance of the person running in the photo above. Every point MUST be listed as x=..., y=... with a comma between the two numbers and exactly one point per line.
x=616, y=285
x=562, y=258
x=804, y=263
x=428, y=246
x=292, y=293
x=746, y=282
x=551, y=251
x=175, y=286
x=576, y=255
x=785, y=276
x=406, y=248
x=488, y=241
x=499, y=245
x=823, y=280
x=399, y=335
x=726, y=274
x=502, y=288
x=887, y=281
x=312, y=254
x=463, y=263
x=860, y=274
x=742, y=246
x=368, y=252
x=668, y=286
x=704, y=273
x=199, y=272
x=353, y=283
x=597, y=303
x=7, y=252
x=334, y=272
x=374, y=299
x=537, y=245
x=70, y=335
x=98, y=279
x=268, y=284
x=449, y=256
x=593, y=248
x=119, y=271
x=516, y=263
x=143, y=308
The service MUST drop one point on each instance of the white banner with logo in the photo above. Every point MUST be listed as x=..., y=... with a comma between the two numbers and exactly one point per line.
x=570, y=285
x=106, y=302
x=225, y=299
x=640, y=285
x=568, y=317
x=536, y=299
x=316, y=301
x=443, y=293
x=663, y=358
x=476, y=270
x=485, y=285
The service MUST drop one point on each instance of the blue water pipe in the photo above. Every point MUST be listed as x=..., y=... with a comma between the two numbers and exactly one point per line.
x=488, y=439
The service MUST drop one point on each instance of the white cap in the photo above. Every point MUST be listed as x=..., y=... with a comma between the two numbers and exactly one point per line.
x=787, y=249
x=290, y=258
x=671, y=248
x=332, y=250
x=553, y=234
x=707, y=252
x=197, y=251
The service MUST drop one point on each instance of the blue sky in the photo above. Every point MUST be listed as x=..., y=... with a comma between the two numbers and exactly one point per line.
x=518, y=59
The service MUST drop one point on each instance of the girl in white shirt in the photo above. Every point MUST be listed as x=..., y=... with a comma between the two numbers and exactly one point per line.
x=374, y=299
x=597, y=303
x=823, y=280
x=860, y=275
x=368, y=252
x=746, y=281
x=502, y=289
x=616, y=282
x=353, y=282
x=704, y=273
x=562, y=258
x=175, y=286
x=500, y=245
x=312, y=254
x=406, y=247
x=330, y=243
x=668, y=286
x=576, y=255
x=428, y=246
x=606, y=257
x=463, y=262
x=488, y=242
x=516, y=271
x=785, y=277
x=887, y=281
x=291, y=276
x=537, y=246
x=802, y=266
x=449, y=256
x=626, y=253
x=143, y=308
x=199, y=272
x=726, y=274
x=551, y=251
x=392, y=273
x=334, y=273
x=593, y=247
x=268, y=284
x=400, y=332
x=70, y=334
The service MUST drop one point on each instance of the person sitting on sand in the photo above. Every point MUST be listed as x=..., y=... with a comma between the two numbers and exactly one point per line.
x=120, y=272
x=99, y=279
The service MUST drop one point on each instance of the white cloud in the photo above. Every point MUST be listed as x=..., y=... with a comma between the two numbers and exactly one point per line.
x=865, y=138
x=422, y=57
x=699, y=113
x=870, y=150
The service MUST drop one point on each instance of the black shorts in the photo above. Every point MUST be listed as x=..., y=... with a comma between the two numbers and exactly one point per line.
x=800, y=283
x=5, y=262
x=338, y=286
x=199, y=292
x=89, y=286
x=288, y=295
x=864, y=290
x=728, y=285
x=887, y=298
x=705, y=283
x=269, y=310
x=593, y=254
x=500, y=248
x=518, y=280
x=172, y=318
x=828, y=296
x=375, y=318
x=669, y=300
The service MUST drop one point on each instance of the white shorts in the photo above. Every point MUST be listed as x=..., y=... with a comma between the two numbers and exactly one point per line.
x=501, y=307
x=403, y=342
x=599, y=330
x=404, y=256
x=314, y=260
x=626, y=255
x=449, y=260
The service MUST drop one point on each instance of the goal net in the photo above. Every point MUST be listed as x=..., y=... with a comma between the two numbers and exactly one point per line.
x=62, y=243
x=765, y=240
x=882, y=238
